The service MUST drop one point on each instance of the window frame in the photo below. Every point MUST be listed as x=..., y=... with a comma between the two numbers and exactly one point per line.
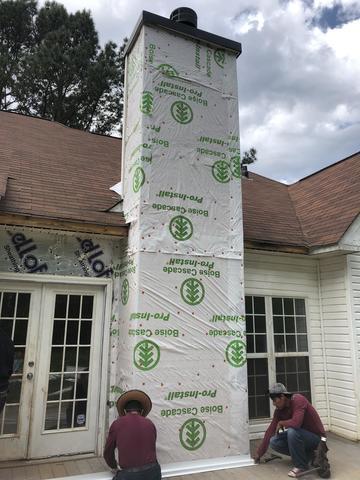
x=271, y=354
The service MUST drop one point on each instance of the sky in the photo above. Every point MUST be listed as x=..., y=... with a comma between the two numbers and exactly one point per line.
x=298, y=75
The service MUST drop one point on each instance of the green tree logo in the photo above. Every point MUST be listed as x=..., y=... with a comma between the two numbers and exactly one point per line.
x=138, y=179
x=167, y=70
x=125, y=292
x=181, y=228
x=236, y=353
x=235, y=165
x=146, y=355
x=181, y=112
x=147, y=103
x=192, y=434
x=192, y=291
x=219, y=57
x=221, y=171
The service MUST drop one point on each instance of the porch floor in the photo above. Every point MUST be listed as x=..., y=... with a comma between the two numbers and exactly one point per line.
x=344, y=458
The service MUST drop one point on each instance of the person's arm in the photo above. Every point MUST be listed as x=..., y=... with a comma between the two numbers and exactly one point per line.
x=109, y=450
x=271, y=430
x=299, y=408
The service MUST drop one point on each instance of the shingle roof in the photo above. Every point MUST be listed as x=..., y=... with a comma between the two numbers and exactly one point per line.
x=315, y=211
x=52, y=171
x=328, y=201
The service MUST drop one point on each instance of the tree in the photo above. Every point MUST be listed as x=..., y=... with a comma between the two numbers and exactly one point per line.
x=64, y=74
x=250, y=156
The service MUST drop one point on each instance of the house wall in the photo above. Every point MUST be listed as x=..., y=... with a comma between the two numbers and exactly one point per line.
x=339, y=344
x=354, y=279
x=292, y=276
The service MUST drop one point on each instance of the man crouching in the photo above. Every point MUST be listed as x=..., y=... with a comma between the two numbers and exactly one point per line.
x=295, y=430
x=134, y=437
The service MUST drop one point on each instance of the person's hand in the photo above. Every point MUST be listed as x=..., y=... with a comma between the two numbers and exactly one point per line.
x=280, y=426
x=256, y=458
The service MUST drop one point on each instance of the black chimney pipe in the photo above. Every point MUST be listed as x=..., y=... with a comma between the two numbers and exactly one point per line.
x=184, y=15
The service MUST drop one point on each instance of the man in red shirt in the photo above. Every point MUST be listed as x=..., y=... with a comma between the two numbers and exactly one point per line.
x=295, y=430
x=134, y=437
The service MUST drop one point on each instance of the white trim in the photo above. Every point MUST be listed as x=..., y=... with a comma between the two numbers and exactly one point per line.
x=182, y=468
x=323, y=344
x=352, y=334
x=105, y=359
x=60, y=279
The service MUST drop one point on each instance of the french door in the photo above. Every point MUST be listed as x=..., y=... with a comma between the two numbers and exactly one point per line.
x=52, y=406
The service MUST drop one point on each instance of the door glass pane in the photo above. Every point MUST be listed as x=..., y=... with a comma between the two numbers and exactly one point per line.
x=70, y=360
x=14, y=320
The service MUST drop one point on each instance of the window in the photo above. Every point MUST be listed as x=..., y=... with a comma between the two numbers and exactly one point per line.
x=277, y=349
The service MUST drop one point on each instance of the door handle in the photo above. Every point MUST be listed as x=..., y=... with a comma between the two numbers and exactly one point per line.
x=29, y=376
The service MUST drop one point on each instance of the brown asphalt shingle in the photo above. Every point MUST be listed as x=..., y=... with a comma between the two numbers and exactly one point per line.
x=57, y=172
x=51, y=171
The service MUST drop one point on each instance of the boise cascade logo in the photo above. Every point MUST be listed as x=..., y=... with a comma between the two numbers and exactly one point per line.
x=192, y=291
x=146, y=355
x=181, y=228
x=236, y=353
x=125, y=292
x=181, y=112
x=192, y=434
x=147, y=103
x=221, y=171
x=219, y=57
x=235, y=165
x=138, y=179
x=167, y=70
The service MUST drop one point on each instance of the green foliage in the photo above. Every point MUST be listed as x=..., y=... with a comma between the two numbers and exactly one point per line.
x=57, y=69
x=250, y=156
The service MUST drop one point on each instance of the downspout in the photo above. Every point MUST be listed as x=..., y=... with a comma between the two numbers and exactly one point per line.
x=323, y=344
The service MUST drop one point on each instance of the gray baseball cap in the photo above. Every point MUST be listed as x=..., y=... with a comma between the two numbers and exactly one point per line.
x=278, y=389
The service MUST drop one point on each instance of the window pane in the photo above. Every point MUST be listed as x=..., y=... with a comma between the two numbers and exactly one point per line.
x=14, y=392
x=249, y=324
x=60, y=306
x=258, y=382
x=260, y=324
x=54, y=387
x=288, y=306
x=20, y=332
x=58, y=332
x=259, y=305
x=279, y=343
x=300, y=324
x=72, y=332
x=87, y=306
x=8, y=304
x=289, y=325
x=302, y=343
x=7, y=326
x=19, y=360
x=291, y=382
x=84, y=358
x=290, y=343
x=280, y=365
x=68, y=391
x=248, y=305
x=278, y=325
x=74, y=306
x=250, y=343
x=70, y=359
x=56, y=359
x=85, y=333
x=277, y=306
x=11, y=419
x=299, y=306
x=260, y=343
x=22, y=309
x=51, y=417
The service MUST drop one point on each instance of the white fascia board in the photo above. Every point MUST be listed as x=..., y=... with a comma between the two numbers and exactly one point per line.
x=350, y=241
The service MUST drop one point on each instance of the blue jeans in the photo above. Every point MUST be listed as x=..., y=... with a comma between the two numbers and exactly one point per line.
x=298, y=443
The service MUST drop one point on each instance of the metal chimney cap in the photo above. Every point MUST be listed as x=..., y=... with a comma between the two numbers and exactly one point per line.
x=184, y=15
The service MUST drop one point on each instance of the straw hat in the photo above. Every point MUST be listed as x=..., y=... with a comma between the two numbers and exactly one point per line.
x=137, y=395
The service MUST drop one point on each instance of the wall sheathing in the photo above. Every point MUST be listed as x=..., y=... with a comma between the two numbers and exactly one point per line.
x=181, y=324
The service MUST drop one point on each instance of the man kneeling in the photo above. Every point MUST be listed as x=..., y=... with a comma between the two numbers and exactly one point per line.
x=295, y=430
x=134, y=437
